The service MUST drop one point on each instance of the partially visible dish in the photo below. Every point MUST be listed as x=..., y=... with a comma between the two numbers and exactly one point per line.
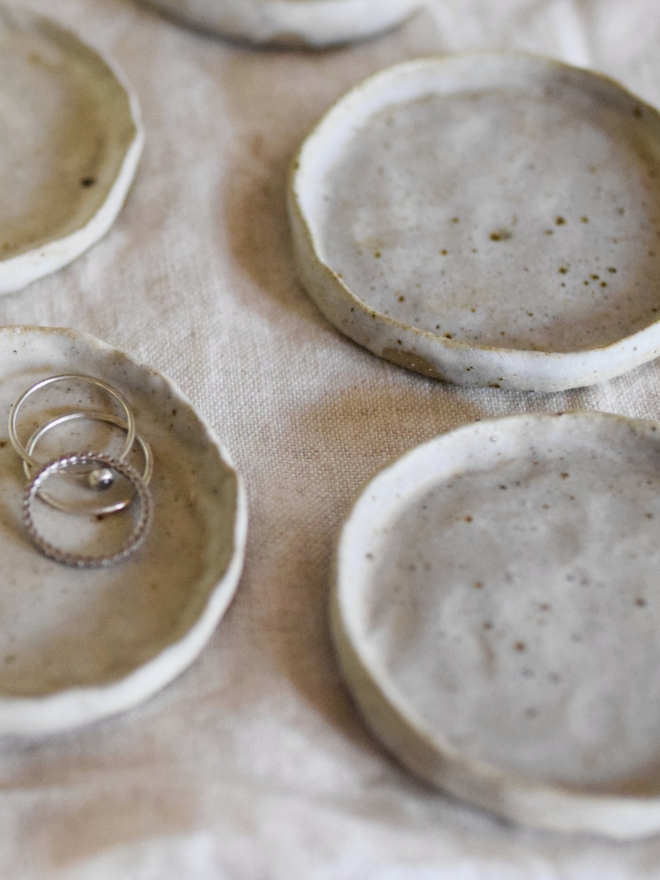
x=310, y=23
x=71, y=144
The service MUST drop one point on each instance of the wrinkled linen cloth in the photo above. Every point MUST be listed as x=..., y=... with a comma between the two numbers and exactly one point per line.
x=255, y=765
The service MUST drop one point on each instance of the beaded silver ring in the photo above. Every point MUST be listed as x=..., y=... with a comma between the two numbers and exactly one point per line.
x=75, y=560
x=116, y=506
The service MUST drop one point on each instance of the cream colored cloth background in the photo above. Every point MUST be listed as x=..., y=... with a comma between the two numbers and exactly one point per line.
x=254, y=765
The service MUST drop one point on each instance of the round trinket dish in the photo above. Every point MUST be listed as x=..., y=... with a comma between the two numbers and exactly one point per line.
x=305, y=23
x=73, y=138
x=496, y=613
x=77, y=645
x=486, y=219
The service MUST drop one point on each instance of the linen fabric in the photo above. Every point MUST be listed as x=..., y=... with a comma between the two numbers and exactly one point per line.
x=255, y=765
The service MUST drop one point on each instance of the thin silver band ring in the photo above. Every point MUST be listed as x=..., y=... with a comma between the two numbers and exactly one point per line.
x=116, y=506
x=135, y=540
x=90, y=380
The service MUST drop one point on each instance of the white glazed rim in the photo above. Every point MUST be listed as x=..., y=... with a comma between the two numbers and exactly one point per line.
x=400, y=727
x=19, y=271
x=315, y=23
x=436, y=356
x=73, y=707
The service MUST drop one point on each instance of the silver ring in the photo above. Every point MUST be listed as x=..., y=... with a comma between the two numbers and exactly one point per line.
x=136, y=538
x=99, y=383
x=116, y=506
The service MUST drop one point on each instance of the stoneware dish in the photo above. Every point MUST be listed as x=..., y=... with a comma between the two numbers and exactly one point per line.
x=306, y=23
x=72, y=142
x=497, y=616
x=487, y=219
x=78, y=645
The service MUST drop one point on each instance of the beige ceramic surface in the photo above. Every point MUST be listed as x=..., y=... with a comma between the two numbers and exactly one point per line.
x=489, y=219
x=80, y=645
x=71, y=142
x=497, y=616
x=313, y=23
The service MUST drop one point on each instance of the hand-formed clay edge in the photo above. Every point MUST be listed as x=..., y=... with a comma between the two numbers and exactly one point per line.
x=314, y=23
x=74, y=707
x=17, y=272
x=428, y=754
x=420, y=350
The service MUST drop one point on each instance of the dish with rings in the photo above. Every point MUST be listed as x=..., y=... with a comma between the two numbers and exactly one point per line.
x=102, y=610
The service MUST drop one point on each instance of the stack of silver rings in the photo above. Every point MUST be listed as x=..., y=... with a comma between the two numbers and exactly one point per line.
x=100, y=473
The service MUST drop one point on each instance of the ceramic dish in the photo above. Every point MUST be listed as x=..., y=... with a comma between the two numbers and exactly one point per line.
x=311, y=23
x=81, y=645
x=497, y=617
x=72, y=142
x=488, y=219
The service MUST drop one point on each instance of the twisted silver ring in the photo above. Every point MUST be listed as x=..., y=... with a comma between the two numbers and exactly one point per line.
x=135, y=540
x=90, y=380
x=116, y=506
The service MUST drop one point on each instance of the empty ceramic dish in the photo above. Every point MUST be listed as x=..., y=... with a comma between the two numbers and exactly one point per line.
x=71, y=144
x=312, y=23
x=488, y=219
x=497, y=617
x=78, y=645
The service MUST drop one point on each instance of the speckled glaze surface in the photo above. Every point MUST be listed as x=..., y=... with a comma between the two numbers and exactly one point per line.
x=497, y=616
x=80, y=645
x=307, y=23
x=72, y=142
x=488, y=219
